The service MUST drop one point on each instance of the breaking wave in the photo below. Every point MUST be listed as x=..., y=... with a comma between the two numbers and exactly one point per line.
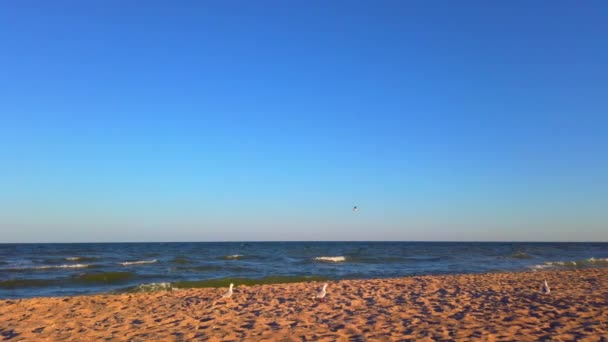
x=152, y=287
x=81, y=258
x=44, y=267
x=585, y=263
x=140, y=262
x=233, y=257
x=331, y=258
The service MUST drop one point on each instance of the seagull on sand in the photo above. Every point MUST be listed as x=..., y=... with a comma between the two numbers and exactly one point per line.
x=229, y=292
x=322, y=293
x=545, y=289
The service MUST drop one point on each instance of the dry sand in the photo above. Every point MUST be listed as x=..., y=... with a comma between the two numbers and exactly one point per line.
x=491, y=307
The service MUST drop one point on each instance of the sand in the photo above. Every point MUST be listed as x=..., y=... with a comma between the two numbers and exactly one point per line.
x=490, y=307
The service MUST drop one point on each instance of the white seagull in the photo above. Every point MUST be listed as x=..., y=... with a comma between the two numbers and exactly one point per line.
x=355, y=209
x=322, y=293
x=229, y=292
x=545, y=289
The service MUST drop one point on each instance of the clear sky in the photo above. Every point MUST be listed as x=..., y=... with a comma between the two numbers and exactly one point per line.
x=269, y=120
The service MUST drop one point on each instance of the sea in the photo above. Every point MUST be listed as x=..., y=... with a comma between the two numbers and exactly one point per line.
x=36, y=270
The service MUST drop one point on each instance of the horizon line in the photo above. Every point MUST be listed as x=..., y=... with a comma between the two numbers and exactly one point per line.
x=310, y=241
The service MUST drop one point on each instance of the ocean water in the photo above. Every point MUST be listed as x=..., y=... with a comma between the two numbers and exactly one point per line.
x=32, y=270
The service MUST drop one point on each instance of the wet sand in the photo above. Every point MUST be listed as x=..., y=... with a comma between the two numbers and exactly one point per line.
x=490, y=307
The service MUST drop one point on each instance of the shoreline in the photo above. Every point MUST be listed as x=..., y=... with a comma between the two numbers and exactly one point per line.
x=486, y=306
x=72, y=270
x=181, y=285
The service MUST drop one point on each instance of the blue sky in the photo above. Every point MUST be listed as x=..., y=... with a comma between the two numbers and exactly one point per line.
x=269, y=120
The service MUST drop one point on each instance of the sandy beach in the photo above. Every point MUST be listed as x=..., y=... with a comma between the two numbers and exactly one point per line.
x=490, y=307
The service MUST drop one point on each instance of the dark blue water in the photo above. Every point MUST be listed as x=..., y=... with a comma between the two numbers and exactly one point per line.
x=29, y=270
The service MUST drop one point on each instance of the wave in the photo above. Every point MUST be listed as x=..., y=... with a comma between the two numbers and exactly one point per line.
x=373, y=259
x=519, y=255
x=233, y=257
x=598, y=261
x=585, y=263
x=212, y=268
x=202, y=268
x=125, y=277
x=423, y=258
x=331, y=258
x=82, y=279
x=105, y=277
x=140, y=262
x=243, y=257
x=82, y=258
x=44, y=267
x=180, y=260
x=152, y=287
x=224, y=282
x=23, y=283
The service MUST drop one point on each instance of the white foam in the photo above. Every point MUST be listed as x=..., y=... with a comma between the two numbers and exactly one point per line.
x=73, y=258
x=539, y=267
x=580, y=263
x=234, y=256
x=558, y=263
x=141, y=262
x=331, y=258
x=154, y=287
x=61, y=266
x=597, y=260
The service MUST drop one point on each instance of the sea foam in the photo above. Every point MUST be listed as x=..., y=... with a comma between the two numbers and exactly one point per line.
x=153, y=287
x=591, y=262
x=234, y=256
x=44, y=267
x=81, y=258
x=331, y=258
x=141, y=262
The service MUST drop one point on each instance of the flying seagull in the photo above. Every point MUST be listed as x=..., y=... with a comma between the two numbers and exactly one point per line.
x=322, y=293
x=545, y=289
x=229, y=292
x=355, y=208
